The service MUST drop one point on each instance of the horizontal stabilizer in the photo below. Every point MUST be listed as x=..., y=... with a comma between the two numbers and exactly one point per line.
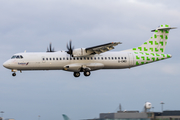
x=164, y=28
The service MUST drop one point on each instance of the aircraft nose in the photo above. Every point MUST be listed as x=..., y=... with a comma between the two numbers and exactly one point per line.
x=6, y=64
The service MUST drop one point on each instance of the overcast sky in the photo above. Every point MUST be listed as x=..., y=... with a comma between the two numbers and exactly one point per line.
x=32, y=24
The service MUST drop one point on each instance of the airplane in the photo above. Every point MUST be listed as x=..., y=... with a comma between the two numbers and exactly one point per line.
x=65, y=117
x=93, y=58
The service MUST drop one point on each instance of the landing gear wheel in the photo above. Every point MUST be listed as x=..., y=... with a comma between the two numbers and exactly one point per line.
x=76, y=74
x=87, y=73
x=14, y=74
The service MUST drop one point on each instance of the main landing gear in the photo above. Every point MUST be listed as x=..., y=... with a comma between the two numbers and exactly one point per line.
x=76, y=74
x=86, y=73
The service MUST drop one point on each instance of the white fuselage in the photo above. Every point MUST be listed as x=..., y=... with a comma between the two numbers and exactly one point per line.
x=59, y=61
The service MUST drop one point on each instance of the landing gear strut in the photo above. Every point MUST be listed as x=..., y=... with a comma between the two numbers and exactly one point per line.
x=14, y=74
x=76, y=74
x=87, y=73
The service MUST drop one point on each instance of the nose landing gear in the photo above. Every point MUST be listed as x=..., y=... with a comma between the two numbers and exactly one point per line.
x=14, y=74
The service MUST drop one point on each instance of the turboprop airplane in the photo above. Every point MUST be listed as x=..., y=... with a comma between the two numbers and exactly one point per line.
x=93, y=58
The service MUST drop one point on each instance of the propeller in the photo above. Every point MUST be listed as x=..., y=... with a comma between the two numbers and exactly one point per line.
x=50, y=49
x=70, y=48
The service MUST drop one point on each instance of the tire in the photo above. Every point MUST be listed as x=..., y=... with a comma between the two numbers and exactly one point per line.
x=87, y=73
x=14, y=74
x=76, y=74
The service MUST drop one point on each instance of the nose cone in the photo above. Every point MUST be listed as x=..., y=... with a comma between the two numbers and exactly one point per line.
x=6, y=64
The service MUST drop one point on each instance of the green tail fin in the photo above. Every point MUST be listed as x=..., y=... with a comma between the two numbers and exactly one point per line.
x=157, y=42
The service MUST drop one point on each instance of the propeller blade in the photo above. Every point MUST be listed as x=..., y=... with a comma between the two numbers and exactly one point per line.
x=50, y=49
x=67, y=46
x=70, y=48
x=70, y=44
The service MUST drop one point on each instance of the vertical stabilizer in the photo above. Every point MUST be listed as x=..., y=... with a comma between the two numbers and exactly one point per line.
x=65, y=117
x=157, y=43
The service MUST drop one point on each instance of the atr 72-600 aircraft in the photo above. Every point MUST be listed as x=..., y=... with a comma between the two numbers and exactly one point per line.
x=93, y=58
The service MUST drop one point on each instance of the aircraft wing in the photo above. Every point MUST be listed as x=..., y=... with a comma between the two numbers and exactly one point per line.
x=101, y=48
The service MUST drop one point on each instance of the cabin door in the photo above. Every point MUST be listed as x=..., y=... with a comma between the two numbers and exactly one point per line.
x=131, y=59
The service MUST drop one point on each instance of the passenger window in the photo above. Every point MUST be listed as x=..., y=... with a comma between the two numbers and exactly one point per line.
x=59, y=58
x=43, y=59
x=125, y=57
x=63, y=58
x=118, y=57
x=95, y=58
x=81, y=58
x=98, y=58
x=70, y=58
x=46, y=58
x=74, y=58
x=84, y=58
x=67, y=58
x=53, y=58
x=49, y=58
x=109, y=58
x=56, y=58
x=87, y=58
x=105, y=58
x=121, y=57
x=77, y=58
x=115, y=58
x=17, y=57
x=91, y=58
x=102, y=58
x=112, y=58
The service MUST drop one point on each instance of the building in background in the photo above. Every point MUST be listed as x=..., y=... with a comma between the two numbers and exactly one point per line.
x=146, y=114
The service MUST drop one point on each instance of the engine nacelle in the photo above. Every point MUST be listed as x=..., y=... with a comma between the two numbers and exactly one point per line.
x=80, y=52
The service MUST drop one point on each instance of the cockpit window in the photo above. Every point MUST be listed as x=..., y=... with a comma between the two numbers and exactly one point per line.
x=13, y=57
x=17, y=57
